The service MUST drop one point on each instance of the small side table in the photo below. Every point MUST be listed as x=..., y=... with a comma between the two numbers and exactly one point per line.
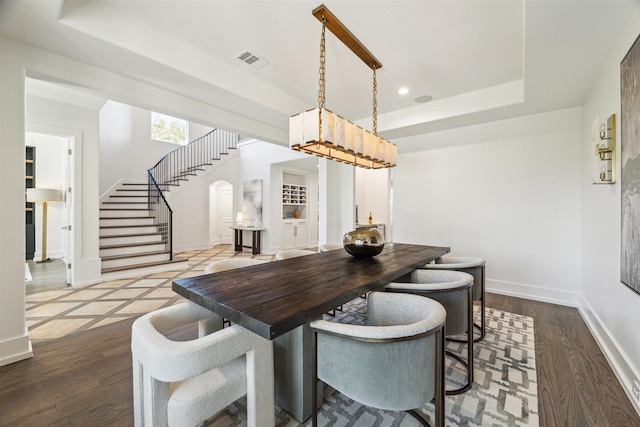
x=255, y=237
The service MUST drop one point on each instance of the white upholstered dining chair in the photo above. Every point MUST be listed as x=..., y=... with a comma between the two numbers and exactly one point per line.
x=395, y=362
x=230, y=264
x=292, y=253
x=183, y=383
x=326, y=247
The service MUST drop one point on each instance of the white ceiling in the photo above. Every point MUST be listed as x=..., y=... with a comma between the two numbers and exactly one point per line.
x=480, y=60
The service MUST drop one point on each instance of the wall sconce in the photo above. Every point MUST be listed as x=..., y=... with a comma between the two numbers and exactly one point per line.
x=606, y=153
x=239, y=218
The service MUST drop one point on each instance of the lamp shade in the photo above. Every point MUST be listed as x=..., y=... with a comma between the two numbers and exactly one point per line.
x=44, y=195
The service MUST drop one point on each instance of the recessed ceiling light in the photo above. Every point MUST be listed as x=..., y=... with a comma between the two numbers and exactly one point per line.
x=424, y=98
x=403, y=91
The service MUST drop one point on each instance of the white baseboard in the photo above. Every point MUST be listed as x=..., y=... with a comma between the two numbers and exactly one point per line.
x=537, y=293
x=15, y=349
x=617, y=359
x=53, y=255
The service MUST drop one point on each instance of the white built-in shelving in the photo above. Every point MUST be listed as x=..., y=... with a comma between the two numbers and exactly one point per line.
x=294, y=194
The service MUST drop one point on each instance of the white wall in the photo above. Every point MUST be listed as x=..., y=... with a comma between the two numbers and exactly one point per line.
x=611, y=309
x=507, y=191
x=253, y=160
x=191, y=205
x=14, y=337
x=51, y=164
x=336, y=184
x=256, y=160
x=372, y=195
x=126, y=148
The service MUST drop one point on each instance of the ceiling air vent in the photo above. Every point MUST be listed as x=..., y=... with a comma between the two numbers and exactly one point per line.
x=252, y=59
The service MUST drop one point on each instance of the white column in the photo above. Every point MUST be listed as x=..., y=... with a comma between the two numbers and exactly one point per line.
x=336, y=184
x=14, y=337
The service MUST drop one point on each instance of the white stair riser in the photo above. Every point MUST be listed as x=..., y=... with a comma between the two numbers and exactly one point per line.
x=125, y=205
x=121, y=213
x=134, y=260
x=129, y=240
x=132, y=250
x=126, y=221
x=128, y=230
x=137, y=199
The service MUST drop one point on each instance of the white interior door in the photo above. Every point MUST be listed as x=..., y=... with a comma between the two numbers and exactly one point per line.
x=225, y=215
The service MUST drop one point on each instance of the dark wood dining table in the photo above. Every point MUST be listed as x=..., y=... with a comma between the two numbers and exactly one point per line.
x=277, y=300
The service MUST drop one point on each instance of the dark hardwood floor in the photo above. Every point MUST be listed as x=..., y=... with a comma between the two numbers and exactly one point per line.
x=46, y=276
x=85, y=379
x=576, y=386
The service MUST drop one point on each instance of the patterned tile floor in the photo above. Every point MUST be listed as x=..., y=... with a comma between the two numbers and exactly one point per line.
x=56, y=313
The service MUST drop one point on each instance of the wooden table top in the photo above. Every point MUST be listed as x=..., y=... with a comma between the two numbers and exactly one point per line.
x=273, y=298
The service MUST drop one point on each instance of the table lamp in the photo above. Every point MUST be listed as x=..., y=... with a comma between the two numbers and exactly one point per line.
x=44, y=196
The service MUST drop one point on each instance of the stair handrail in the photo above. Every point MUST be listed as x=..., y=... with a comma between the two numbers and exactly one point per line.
x=176, y=166
x=163, y=212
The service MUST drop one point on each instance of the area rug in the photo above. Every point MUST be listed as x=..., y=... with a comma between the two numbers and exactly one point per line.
x=504, y=393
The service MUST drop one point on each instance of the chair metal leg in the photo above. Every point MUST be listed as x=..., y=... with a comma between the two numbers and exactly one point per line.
x=440, y=388
x=418, y=416
x=314, y=391
x=468, y=364
x=438, y=414
x=479, y=327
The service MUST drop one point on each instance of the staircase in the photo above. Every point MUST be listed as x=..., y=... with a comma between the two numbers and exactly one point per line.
x=136, y=219
x=129, y=235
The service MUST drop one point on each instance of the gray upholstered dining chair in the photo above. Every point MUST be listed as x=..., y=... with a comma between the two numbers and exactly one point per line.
x=395, y=362
x=230, y=264
x=292, y=253
x=454, y=290
x=474, y=266
x=183, y=383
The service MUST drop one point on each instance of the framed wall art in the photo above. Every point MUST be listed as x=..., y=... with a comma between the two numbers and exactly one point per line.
x=252, y=200
x=630, y=160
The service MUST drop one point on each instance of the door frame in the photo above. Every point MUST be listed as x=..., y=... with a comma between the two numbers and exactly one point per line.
x=72, y=189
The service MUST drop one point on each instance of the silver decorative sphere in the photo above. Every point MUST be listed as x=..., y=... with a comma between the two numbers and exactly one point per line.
x=365, y=242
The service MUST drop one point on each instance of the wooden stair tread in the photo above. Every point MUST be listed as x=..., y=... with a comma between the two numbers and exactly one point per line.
x=123, y=209
x=124, y=203
x=125, y=217
x=135, y=255
x=153, y=233
x=129, y=226
x=146, y=189
x=131, y=245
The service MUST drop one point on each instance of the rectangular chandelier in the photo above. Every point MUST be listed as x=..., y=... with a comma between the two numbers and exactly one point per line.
x=323, y=133
x=339, y=139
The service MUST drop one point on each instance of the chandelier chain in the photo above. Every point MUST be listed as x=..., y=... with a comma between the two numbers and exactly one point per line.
x=321, y=91
x=322, y=85
x=375, y=102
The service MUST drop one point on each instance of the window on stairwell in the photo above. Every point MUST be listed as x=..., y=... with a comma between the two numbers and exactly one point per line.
x=169, y=129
